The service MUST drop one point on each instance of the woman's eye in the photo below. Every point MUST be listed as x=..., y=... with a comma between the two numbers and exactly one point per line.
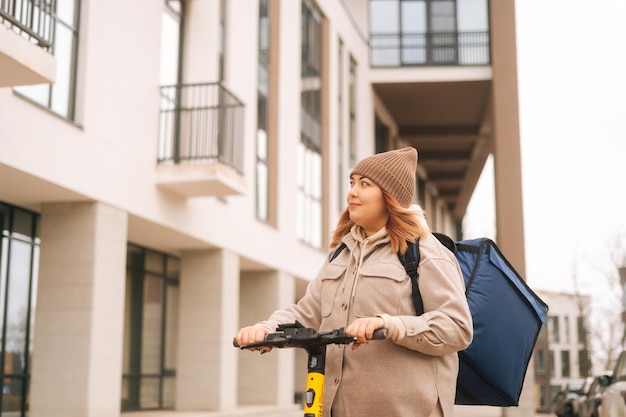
x=364, y=184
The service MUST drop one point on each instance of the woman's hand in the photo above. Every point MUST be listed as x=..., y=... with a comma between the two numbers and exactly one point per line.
x=363, y=329
x=252, y=334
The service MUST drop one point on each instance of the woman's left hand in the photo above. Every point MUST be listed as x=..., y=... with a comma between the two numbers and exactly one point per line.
x=363, y=329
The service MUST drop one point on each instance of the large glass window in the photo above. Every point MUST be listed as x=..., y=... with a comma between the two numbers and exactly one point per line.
x=429, y=32
x=150, y=330
x=262, y=157
x=60, y=96
x=19, y=260
x=309, y=197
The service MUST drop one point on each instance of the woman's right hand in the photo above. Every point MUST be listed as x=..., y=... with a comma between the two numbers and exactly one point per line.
x=252, y=334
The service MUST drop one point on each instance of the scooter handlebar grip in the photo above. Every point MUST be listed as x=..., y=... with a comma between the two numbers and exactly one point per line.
x=379, y=334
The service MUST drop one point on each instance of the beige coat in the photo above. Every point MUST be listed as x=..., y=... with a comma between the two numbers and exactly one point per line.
x=404, y=377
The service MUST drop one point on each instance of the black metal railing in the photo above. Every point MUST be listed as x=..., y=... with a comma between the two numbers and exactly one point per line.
x=33, y=19
x=201, y=123
x=434, y=48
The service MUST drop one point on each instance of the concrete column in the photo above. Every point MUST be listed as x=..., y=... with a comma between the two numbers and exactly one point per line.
x=80, y=310
x=507, y=160
x=266, y=379
x=209, y=314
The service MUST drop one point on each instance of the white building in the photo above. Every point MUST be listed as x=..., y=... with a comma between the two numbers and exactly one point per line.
x=181, y=175
x=566, y=354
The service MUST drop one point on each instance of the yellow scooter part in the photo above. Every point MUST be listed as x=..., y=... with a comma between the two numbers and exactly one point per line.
x=313, y=395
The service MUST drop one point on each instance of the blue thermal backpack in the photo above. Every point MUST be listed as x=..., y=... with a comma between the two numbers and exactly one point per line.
x=507, y=317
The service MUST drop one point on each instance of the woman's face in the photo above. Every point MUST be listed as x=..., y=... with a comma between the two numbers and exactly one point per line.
x=366, y=204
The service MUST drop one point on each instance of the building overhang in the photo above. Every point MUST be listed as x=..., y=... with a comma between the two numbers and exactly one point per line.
x=445, y=113
x=189, y=179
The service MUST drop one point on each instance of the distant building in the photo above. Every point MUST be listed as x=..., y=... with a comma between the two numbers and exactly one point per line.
x=561, y=352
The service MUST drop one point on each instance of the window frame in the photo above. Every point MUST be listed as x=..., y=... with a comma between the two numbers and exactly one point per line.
x=134, y=375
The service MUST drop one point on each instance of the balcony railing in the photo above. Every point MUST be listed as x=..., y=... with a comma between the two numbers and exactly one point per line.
x=201, y=123
x=434, y=48
x=33, y=19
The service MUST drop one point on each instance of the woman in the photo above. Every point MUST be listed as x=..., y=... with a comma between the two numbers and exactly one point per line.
x=413, y=372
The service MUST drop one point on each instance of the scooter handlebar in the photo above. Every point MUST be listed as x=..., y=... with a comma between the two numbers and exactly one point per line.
x=379, y=334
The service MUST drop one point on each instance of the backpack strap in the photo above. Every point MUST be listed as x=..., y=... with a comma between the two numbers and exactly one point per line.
x=410, y=260
x=337, y=251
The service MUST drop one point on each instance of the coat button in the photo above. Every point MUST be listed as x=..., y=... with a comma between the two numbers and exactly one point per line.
x=344, y=306
x=336, y=381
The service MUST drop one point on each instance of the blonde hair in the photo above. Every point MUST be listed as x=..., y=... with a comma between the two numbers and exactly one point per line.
x=402, y=225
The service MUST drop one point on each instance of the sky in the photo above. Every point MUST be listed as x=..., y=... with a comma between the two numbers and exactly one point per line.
x=572, y=99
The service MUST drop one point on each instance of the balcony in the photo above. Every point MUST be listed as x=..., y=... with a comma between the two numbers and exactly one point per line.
x=26, y=39
x=429, y=49
x=200, y=148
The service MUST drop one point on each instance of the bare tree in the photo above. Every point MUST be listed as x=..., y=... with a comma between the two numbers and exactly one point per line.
x=608, y=330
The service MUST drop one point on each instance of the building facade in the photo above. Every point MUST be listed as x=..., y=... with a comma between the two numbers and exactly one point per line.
x=562, y=351
x=172, y=170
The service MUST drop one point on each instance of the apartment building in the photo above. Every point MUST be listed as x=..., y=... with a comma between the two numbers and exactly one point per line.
x=562, y=352
x=171, y=170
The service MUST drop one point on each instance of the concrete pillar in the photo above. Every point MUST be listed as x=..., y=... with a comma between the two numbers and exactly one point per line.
x=209, y=314
x=80, y=310
x=507, y=160
x=266, y=379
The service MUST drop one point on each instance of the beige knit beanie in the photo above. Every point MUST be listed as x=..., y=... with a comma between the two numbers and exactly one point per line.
x=393, y=171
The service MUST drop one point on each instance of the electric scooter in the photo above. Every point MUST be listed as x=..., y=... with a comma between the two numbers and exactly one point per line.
x=314, y=342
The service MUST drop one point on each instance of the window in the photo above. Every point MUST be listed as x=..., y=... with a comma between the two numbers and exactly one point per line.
x=343, y=180
x=552, y=364
x=171, y=41
x=262, y=162
x=565, y=364
x=553, y=329
x=582, y=329
x=542, y=396
x=541, y=361
x=59, y=97
x=583, y=363
x=222, y=51
x=566, y=328
x=352, y=110
x=150, y=330
x=19, y=260
x=309, y=156
x=429, y=32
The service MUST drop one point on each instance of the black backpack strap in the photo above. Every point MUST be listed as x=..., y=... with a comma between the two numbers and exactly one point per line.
x=446, y=241
x=337, y=251
x=411, y=259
